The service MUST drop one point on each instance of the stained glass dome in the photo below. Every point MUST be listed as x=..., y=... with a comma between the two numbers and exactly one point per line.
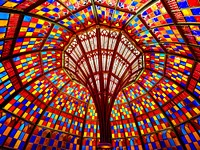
x=77, y=74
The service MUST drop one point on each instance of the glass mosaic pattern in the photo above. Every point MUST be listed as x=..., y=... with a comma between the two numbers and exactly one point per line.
x=43, y=106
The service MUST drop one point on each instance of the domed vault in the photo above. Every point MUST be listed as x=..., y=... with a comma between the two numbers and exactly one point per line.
x=78, y=74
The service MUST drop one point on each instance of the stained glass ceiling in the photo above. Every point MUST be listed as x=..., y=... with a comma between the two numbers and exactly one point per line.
x=50, y=100
x=110, y=47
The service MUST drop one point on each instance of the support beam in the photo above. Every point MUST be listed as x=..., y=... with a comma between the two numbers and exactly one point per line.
x=78, y=68
x=16, y=72
x=123, y=82
x=172, y=24
x=43, y=42
x=151, y=2
x=95, y=12
x=17, y=31
x=181, y=31
x=93, y=90
x=112, y=61
x=127, y=78
x=86, y=59
x=191, y=73
x=112, y=18
x=73, y=13
x=100, y=64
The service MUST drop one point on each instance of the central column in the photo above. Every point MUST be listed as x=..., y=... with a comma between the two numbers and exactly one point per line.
x=104, y=123
x=103, y=60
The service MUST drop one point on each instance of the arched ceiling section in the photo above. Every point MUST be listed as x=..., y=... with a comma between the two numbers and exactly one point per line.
x=42, y=107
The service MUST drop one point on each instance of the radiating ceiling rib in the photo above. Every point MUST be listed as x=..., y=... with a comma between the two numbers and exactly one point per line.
x=139, y=12
x=91, y=73
x=95, y=12
x=110, y=70
x=43, y=42
x=87, y=61
x=127, y=78
x=113, y=13
x=189, y=44
x=98, y=102
x=134, y=41
x=178, y=27
x=90, y=87
x=20, y=20
x=47, y=35
x=100, y=67
x=130, y=65
x=165, y=64
x=154, y=84
x=15, y=70
x=100, y=61
x=78, y=67
x=72, y=13
x=192, y=71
